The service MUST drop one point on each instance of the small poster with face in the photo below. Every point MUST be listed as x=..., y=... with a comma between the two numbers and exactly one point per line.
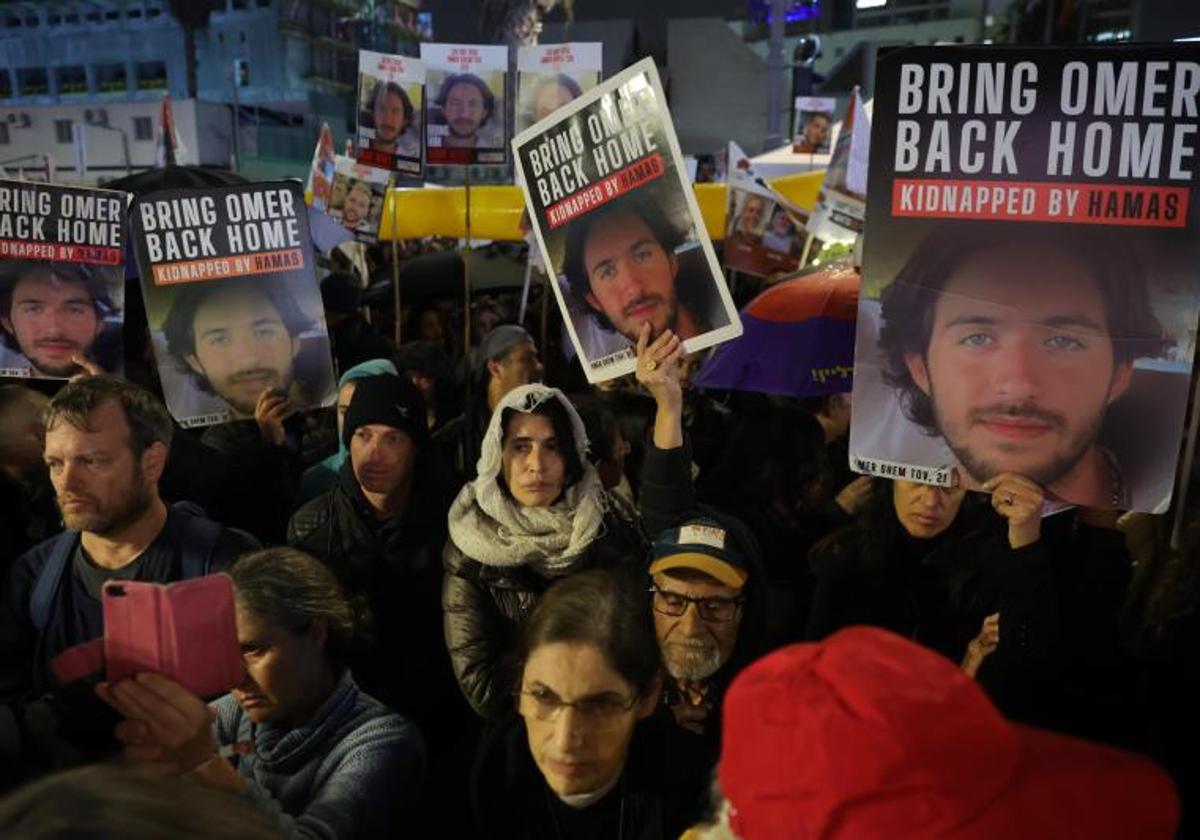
x=764, y=234
x=838, y=213
x=465, y=110
x=814, y=124
x=357, y=197
x=62, y=279
x=390, y=102
x=617, y=222
x=320, y=173
x=551, y=75
x=1030, y=284
x=232, y=301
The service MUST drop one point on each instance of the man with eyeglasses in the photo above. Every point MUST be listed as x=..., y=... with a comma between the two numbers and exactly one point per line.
x=699, y=574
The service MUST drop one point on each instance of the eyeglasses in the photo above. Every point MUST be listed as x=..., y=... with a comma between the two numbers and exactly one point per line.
x=598, y=710
x=714, y=609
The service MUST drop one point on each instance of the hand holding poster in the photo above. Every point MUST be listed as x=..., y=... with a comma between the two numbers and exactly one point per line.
x=1030, y=287
x=551, y=75
x=232, y=300
x=390, y=100
x=62, y=279
x=465, y=113
x=357, y=197
x=814, y=124
x=617, y=222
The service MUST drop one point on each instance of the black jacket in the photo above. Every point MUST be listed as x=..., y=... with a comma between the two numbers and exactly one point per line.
x=661, y=793
x=461, y=439
x=395, y=566
x=939, y=591
x=483, y=605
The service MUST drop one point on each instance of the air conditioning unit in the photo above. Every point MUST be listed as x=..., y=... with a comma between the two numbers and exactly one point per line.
x=19, y=120
x=95, y=116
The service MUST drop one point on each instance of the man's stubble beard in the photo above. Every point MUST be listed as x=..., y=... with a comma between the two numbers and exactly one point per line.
x=1061, y=463
x=129, y=509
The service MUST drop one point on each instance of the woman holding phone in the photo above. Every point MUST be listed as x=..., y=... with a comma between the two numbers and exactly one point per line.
x=297, y=736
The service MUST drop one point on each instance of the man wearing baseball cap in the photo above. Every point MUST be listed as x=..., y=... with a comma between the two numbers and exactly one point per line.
x=870, y=735
x=701, y=588
x=381, y=530
x=507, y=359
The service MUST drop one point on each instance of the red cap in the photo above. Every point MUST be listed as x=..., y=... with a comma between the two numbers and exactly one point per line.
x=869, y=735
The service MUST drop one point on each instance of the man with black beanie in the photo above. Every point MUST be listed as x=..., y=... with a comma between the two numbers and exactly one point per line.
x=381, y=530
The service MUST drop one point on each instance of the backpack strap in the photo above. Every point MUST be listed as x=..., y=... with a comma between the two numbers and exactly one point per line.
x=199, y=541
x=50, y=577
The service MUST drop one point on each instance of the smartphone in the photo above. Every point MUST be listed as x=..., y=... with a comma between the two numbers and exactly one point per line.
x=186, y=631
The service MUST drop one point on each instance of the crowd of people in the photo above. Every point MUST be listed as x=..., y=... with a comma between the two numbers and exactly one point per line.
x=470, y=603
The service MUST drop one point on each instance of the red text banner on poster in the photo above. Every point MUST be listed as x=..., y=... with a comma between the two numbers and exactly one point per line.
x=218, y=268
x=604, y=191
x=1100, y=204
x=17, y=249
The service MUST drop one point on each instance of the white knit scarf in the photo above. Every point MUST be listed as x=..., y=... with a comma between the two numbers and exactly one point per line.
x=488, y=526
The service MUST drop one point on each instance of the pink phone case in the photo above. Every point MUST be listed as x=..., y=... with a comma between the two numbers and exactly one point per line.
x=185, y=631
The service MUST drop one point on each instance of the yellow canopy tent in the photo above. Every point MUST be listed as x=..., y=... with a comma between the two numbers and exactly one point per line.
x=496, y=211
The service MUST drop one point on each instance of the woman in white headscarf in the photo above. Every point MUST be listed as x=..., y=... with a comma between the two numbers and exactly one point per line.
x=537, y=512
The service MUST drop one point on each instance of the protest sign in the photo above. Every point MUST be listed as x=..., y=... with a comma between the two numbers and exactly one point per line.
x=320, y=173
x=617, y=223
x=357, y=197
x=465, y=110
x=390, y=102
x=1030, y=288
x=232, y=299
x=551, y=75
x=837, y=215
x=62, y=279
x=814, y=124
x=764, y=235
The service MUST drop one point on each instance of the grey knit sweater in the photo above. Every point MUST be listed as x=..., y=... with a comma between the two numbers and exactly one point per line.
x=352, y=771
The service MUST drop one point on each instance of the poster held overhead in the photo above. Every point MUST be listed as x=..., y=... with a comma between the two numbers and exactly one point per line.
x=62, y=279
x=617, y=223
x=840, y=209
x=320, y=173
x=465, y=110
x=814, y=124
x=764, y=234
x=357, y=197
x=1030, y=290
x=390, y=110
x=232, y=300
x=551, y=75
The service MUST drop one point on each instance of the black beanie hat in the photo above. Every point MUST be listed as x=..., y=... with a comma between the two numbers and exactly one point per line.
x=389, y=401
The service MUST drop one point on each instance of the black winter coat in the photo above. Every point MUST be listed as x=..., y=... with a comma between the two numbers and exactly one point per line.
x=662, y=791
x=483, y=605
x=395, y=566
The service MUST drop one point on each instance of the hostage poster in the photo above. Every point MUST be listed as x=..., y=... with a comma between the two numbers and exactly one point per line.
x=234, y=311
x=357, y=197
x=764, y=234
x=814, y=124
x=390, y=100
x=465, y=108
x=617, y=223
x=1030, y=270
x=62, y=279
x=551, y=75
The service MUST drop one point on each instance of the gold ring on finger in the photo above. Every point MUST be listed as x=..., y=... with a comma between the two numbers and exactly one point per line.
x=651, y=365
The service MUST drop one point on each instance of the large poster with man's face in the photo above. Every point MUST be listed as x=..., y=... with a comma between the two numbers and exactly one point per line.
x=62, y=279
x=617, y=222
x=465, y=119
x=234, y=311
x=390, y=102
x=1030, y=270
x=550, y=76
